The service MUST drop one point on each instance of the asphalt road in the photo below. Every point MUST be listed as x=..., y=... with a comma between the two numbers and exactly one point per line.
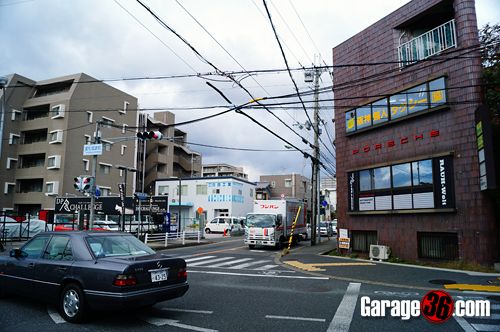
x=233, y=288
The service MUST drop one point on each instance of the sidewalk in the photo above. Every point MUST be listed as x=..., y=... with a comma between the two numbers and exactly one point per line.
x=305, y=257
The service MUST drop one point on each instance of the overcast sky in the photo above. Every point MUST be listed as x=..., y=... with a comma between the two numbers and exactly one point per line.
x=109, y=39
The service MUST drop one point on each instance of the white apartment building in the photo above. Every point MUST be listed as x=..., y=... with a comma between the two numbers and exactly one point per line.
x=216, y=196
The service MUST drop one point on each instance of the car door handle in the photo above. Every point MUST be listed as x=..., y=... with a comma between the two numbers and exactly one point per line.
x=31, y=265
x=61, y=269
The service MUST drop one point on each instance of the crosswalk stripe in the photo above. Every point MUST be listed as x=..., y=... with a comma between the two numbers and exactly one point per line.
x=198, y=258
x=266, y=267
x=485, y=327
x=244, y=265
x=209, y=261
x=231, y=262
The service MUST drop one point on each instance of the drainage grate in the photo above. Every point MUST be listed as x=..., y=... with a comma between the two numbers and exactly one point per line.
x=442, y=282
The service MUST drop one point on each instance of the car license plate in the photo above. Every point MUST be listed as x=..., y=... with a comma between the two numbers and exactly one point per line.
x=258, y=242
x=159, y=275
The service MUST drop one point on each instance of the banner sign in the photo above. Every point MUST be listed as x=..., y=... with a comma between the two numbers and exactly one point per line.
x=344, y=242
x=112, y=205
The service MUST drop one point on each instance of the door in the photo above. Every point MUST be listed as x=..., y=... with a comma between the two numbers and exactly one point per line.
x=20, y=271
x=53, y=266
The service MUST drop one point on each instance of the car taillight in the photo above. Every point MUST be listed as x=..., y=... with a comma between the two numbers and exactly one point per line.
x=122, y=280
x=182, y=274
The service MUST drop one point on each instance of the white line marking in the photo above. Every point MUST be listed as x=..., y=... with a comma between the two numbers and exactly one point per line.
x=188, y=310
x=266, y=267
x=163, y=321
x=231, y=262
x=210, y=261
x=464, y=324
x=486, y=327
x=258, y=251
x=259, y=275
x=491, y=316
x=55, y=316
x=244, y=265
x=343, y=317
x=297, y=318
x=198, y=258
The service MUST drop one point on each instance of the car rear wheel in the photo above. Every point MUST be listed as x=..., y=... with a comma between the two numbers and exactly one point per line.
x=207, y=230
x=251, y=246
x=72, y=305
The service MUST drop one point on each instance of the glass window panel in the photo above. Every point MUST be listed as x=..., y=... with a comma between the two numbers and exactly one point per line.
x=398, y=106
x=363, y=117
x=417, y=99
x=34, y=248
x=437, y=89
x=401, y=175
x=365, y=180
x=422, y=172
x=382, y=177
x=380, y=111
x=350, y=119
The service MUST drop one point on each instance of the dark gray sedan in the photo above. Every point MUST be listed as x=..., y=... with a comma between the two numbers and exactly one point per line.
x=79, y=271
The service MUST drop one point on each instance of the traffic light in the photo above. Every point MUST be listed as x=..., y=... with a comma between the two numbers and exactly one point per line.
x=87, y=182
x=78, y=183
x=149, y=135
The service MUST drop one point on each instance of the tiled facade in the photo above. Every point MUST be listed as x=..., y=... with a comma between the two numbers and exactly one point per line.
x=447, y=130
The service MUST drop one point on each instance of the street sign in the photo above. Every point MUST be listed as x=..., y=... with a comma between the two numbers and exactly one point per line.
x=92, y=149
x=141, y=196
x=344, y=242
x=324, y=203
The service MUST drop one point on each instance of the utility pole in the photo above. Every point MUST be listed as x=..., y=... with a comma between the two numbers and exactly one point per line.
x=97, y=140
x=315, y=228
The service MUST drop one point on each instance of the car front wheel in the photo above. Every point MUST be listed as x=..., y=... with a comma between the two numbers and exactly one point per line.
x=72, y=304
x=208, y=231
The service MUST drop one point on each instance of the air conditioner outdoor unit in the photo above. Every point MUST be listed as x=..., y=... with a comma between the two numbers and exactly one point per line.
x=379, y=252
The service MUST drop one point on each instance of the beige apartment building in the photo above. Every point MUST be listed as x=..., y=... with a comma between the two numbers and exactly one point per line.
x=211, y=170
x=169, y=157
x=44, y=126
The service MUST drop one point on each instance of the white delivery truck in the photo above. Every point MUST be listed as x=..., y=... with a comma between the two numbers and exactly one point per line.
x=270, y=223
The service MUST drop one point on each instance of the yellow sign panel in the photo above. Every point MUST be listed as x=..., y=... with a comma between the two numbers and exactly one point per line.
x=344, y=242
x=437, y=96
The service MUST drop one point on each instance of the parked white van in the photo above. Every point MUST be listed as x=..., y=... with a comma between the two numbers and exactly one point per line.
x=219, y=224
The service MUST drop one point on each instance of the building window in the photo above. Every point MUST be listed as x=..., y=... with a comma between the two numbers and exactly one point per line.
x=421, y=184
x=16, y=115
x=124, y=128
x=125, y=107
x=162, y=190
x=184, y=190
x=54, y=162
x=123, y=148
x=106, y=145
x=52, y=188
x=418, y=99
x=361, y=240
x=105, y=168
x=273, y=184
x=9, y=188
x=86, y=164
x=14, y=139
x=201, y=189
x=437, y=245
x=11, y=163
x=251, y=192
x=88, y=139
x=105, y=191
x=57, y=111
x=90, y=116
x=288, y=183
x=55, y=136
x=107, y=122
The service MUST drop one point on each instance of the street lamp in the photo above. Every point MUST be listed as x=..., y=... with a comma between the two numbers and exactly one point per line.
x=125, y=169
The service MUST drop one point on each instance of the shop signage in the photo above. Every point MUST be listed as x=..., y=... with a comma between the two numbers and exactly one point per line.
x=344, y=242
x=393, y=142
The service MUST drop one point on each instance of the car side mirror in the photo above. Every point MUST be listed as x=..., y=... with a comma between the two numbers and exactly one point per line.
x=279, y=220
x=18, y=253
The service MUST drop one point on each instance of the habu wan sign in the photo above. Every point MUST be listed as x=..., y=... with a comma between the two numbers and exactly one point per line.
x=392, y=143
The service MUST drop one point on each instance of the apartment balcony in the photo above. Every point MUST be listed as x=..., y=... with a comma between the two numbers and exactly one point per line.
x=32, y=148
x=35, y=123
x=32, y=197
x=428, y=44
x=28, y=172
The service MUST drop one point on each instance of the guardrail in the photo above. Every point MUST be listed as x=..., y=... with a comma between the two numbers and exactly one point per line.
x=166, y=237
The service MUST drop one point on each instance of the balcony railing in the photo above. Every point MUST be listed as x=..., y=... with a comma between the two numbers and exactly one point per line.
x=428, y=44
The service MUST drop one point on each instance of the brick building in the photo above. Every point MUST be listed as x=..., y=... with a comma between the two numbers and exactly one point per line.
x=408, y=173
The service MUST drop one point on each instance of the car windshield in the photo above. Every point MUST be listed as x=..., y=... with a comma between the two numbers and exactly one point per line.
x=323, y=224
x=260, y=220
x=117, y=245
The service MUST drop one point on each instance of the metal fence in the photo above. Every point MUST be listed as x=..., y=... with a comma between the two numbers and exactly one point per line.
x=20, y=228
x=166, y=238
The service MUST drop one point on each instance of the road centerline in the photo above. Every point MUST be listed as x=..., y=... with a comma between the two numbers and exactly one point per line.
x=308, y=319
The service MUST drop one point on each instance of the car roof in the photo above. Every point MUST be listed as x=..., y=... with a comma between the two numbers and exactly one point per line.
x=83, y=233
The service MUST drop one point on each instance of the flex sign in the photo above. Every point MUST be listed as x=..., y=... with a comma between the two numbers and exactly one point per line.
x=92, y=150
